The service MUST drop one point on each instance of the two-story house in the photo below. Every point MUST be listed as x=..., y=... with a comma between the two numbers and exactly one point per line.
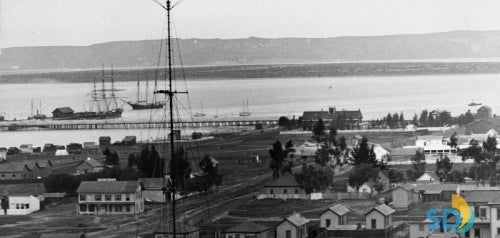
x=109, y=197
x=294, y=226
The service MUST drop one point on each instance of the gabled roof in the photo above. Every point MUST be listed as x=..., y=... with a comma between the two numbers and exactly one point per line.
x=152, y=183
x=339, y=209
x=91, y=162
x=296, y=219
x=247, y=227
x=491, y=197
x=284, y=181
x=349, y=114
x=484, y=108
x=431, y=174
x=384, y=209
x=437, y=187
x=129, y=138
x=108, y=187
x=407, y=186
x=63, y=110
x=430, y=137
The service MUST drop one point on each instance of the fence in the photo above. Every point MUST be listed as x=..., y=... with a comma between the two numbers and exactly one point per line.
x=312, y=196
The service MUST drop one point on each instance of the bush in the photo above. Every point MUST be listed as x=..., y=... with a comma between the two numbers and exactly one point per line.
x=62, y=183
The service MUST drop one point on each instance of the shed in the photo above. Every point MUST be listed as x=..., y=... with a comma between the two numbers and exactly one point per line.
x=104, y=141
x=61, y=152
x=129, y=140
x=62, y=112
x=26, y=149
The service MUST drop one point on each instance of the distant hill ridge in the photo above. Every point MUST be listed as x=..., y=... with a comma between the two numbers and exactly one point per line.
x=200, y=52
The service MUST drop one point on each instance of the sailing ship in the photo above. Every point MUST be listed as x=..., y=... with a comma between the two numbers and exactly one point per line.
x=103, y=104
x=200, y=114
x=472, y=104
x=38, y=115
x=245, y=112
x=144, y=104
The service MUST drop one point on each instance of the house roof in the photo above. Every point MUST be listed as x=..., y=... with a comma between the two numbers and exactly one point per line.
x=431, y=174
x=297, y=219
x=129, y=138
x=62, y=235
x=484, y=108
x=384, y=209
x=104, y=138
x=437, y=187
x=108, y=186
x=407, y=186
x=91, y=162
x=349, y=114
x=13, y=167
x=483, y=197
x=339, y=209
x=152, y=183
x=284, y=181
x=247, y=227
x=336, y=227
x=430, y=137
x=315, y=115
x=63, y=110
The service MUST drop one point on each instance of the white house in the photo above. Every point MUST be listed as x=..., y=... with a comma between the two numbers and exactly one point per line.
x=109, y=198
x=335, y=215
x=294, y=226
x=3, y=154
x=380, y=151
x=379, y=218
x=61, y=152
x=22, y=205
x=434, y=145
x=368, y=187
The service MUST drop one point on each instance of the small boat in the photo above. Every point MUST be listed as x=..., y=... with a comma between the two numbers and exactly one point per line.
x=38, y=115
x=245, y=112
x=472, y=104
x=200, y=114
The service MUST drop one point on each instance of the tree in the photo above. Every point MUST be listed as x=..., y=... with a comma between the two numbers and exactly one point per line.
x=379, y=187
x=342, y=144
x=283, y=121
x=363, y=154
x=149, y=163
x=180, y=169
x=455, y=176
x=395, y=120
x=277, y=157
x=111, y=157
x=415, y=120
x=311, y=179
x=418, y=166
x=402, y=122
x=395, y=176
x=453, y=143
x=443, y=167
x=289, y=145
x=61, y=183
x=332, y=135
x=490, y=145
x=423, y=118
x=474, y=152
x=362, y=174
x=388, y=120
x=319, y=130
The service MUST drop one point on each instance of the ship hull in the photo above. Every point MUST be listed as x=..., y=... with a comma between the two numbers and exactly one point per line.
x=136, y=106
x=116, y=113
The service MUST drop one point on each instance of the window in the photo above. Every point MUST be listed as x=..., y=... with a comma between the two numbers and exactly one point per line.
x=374, y=223
x=483, y=212
x=365, y=190
x=288, y=234
x=118, y=197
x=107, y=197
x=237, y=235
x=477, y=233
x=17, y=205
x=498, y=230
x=127, y=197
x=83, y=207
x=127, y=208
x=91, y=207
x=118, y=208
x=498, y=213
x=98, y=197
x=300, y=232
x=3, y=175
x=476, y=211
x=296, y=191
x=83, y=197
x=467, y=234
x=27, y=206
x=285, y=191
x=271, y=191
x=22, y=206
x=421, y=227
x=328, y=222
x=13, y=175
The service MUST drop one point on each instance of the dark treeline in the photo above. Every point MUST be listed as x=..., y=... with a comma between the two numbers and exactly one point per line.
x=426, y=119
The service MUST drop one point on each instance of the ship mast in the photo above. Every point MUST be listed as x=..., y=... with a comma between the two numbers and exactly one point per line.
x=171, y=95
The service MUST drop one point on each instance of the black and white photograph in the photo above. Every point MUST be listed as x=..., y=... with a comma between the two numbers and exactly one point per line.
x=249, y=119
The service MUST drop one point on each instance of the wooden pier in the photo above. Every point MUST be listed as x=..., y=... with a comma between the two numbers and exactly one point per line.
x=30, y=125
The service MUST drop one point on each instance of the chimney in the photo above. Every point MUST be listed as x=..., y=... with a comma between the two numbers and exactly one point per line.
x=332, y=110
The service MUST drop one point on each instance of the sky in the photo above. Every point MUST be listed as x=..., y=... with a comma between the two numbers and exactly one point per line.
x=85, y=22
